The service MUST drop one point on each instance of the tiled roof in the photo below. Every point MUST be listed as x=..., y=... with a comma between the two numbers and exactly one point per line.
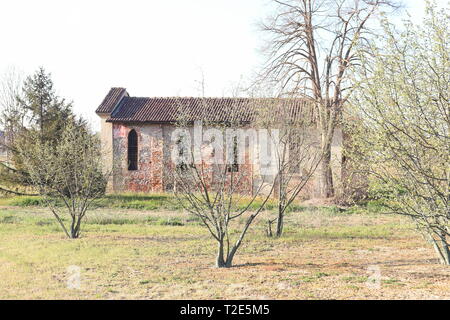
x=168, y=110
x=111, y=100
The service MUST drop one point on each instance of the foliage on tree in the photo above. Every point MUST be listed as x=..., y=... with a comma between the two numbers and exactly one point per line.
x=44, y=110
x=401, y=127
x=68, y=174
x=30, y=108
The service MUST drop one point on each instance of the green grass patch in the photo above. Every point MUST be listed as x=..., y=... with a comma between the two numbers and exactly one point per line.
x=7, y=219
x=167, y=201
x=395, y=282
x=314, y=277
x=138, y=201
x=168, y=254
x=355, y=279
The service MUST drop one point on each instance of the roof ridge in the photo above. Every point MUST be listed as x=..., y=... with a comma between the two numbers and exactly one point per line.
x=224, y=98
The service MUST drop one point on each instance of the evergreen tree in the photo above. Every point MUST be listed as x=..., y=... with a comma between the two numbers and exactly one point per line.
x=44, y=114
x=45, y=111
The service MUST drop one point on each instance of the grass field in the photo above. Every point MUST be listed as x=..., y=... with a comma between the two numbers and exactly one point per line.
x=163, y=253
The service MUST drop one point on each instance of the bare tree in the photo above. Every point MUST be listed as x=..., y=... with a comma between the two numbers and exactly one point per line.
x=215, y=180
x=10, y=90
x=69, y=173
x=12, y=121
x=312, y=45
x=297, y=153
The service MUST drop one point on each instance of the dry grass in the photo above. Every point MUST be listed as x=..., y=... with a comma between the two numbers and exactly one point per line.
x=126, y=254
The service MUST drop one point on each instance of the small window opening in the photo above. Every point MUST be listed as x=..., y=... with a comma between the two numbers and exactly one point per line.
x=132, y=150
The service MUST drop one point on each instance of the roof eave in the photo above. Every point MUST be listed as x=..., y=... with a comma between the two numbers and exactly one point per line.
x=173, y=122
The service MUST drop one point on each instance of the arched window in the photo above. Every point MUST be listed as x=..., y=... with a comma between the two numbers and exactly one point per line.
x=132, y=150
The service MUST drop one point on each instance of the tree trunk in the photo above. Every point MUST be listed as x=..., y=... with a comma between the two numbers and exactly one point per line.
x=445, y=249
x=269, y=228
x=442, y=252
x=220, y=262
x=281, y=204
x=74, y=233
x=446, y=255
x=280, y=222
x=74, y=229
x=229, y=261
x=326, y=173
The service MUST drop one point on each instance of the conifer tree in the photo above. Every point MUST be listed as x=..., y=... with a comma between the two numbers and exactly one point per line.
x=38, y=111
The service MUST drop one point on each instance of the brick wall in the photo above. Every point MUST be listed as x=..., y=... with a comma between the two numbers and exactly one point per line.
x=154, y=162
x=148, y=177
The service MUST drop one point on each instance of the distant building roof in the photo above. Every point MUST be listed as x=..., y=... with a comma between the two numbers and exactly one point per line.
x=168, y=110
x=111, y=100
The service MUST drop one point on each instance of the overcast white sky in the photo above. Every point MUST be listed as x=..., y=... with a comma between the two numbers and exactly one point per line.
x=151, y=47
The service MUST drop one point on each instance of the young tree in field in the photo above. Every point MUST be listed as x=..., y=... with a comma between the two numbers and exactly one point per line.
x=402, y=136
x=28, y=106
x=11, y=115
x=297, y=154
x=69, y=172
x=12, y=119
x=212, y=180
x=312, y=45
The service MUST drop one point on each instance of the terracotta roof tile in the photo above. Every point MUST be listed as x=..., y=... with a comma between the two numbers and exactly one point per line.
x=111, y=100
x=168, y=110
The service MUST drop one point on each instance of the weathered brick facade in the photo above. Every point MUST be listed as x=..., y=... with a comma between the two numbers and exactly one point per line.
x=154, y=151
x=149, y=176
x=154, y=163
x=154, y=147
